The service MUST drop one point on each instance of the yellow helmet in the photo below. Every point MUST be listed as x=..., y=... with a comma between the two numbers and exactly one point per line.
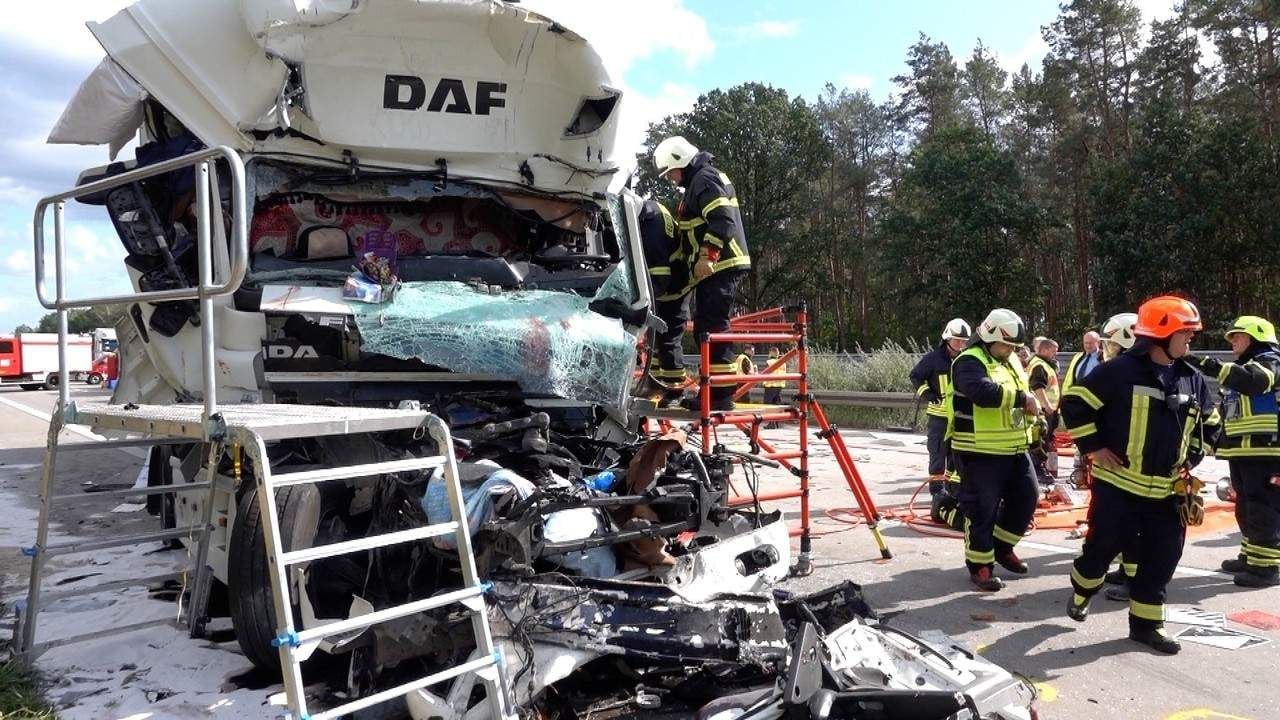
x=1258, y=328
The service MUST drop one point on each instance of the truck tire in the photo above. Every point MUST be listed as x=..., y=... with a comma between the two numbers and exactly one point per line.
x=248, y=583
x=51, y=381
x=31, y=386
x=94, y=379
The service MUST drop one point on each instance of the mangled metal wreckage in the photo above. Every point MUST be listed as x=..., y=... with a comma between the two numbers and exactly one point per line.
x=465, y=145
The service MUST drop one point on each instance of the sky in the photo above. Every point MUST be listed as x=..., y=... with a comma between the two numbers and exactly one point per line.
x=661, y=54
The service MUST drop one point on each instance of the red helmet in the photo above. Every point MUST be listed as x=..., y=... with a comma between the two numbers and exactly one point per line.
x=1165, y=315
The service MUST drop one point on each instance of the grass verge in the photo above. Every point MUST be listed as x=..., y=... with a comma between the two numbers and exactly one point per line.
x=19, y=696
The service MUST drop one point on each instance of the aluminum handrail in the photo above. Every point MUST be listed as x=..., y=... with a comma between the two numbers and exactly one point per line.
x=204, y=289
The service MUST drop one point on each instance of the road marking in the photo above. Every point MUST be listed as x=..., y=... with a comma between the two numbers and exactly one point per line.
x=1202, y=714
x=1059, y=549
x=1045, y=692
x=139, y=453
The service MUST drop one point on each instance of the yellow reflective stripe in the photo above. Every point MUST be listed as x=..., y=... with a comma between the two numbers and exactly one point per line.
x=1135, y=483
x=1130, y=569
x=1146, y=611
x=936, y=410
x=921, y=390
x=691, y=223
x=1261, y=562
x=1084, y=394
x=1262, y=551
x=1083, y=431
x=713, y=240
x=1271, y=377
x=660, y=271
x=1224, y=371
x=1078, y=599
x=719, y=203
x=740, y=261
x=668, y=222
x=976, y=557
x=1139, y=414
x=729, y=367
x=663, y=373
x=1003, y=535
x=1084, y=582
x=1243, y=452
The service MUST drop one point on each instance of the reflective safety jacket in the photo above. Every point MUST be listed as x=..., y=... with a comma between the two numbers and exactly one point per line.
x=931, y=378
x=986, y=404
x=1043, y=375
x=708, y=216
x=1124, y=406
x=668, y=260
x=1250, y=407
x=781, y=369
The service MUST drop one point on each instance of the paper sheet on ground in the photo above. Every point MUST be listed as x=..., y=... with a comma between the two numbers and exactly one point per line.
x=1221, y=637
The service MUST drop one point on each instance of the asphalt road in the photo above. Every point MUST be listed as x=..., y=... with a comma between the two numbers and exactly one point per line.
x=1083, y=671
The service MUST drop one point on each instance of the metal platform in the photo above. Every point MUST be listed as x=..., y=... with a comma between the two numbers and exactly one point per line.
x=270, y=422
x=644, y=407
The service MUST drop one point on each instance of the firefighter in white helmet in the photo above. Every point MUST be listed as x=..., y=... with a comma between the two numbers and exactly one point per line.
x=931, y=378
x=1117, y=334
x=991, y=422
x=709, y=219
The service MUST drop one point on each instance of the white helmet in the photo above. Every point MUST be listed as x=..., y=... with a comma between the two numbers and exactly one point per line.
x=1003, y=326
x=957, y=328
x=674, y=152
x=1119, y=329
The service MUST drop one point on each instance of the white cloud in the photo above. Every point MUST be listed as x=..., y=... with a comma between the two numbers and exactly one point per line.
x=854, y=81
x=765, y=29
x=624, y=33
x=1031, y=53
x=57, y=27
x=639, y=110
x=18, y=262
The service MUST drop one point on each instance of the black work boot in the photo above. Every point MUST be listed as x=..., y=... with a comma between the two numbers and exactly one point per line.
x=1119, y=593
x=985, y=581
x=1258, y=577
x=1078, y=608
x=723, y=403
x=1156, y=639
x=1236, y=564
x=1010, y=561
x=935, y=508
x=1115, y=577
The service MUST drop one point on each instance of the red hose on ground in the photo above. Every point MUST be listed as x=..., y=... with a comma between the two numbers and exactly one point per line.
x=926, y=526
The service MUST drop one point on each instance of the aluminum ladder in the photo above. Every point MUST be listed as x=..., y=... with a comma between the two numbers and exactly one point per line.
x=250, y=427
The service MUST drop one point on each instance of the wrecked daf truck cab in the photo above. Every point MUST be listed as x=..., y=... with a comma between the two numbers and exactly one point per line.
x=431, y=220
x=435, y=219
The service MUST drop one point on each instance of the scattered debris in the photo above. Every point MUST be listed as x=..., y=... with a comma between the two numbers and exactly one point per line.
x=1193, y=616
x=1256, y=619
x=1221, y=637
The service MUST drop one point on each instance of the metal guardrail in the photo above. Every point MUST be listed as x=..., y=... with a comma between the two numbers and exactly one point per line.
x=204, y=291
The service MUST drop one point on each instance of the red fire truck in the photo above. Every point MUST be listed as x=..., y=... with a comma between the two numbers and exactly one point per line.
x=31, y=359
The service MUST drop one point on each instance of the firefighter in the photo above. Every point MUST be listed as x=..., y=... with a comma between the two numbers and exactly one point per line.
x=669, y=274
x=1117, y=337
x=1140, y=418
x=990, y=433
x=773, y=388
x=1042, y=378
x=1250, y=443
x=932, y=379
x=745, y=363
x=708, y=217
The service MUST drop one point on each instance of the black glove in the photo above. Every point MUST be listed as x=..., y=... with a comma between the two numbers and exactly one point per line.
x=1205, y=364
